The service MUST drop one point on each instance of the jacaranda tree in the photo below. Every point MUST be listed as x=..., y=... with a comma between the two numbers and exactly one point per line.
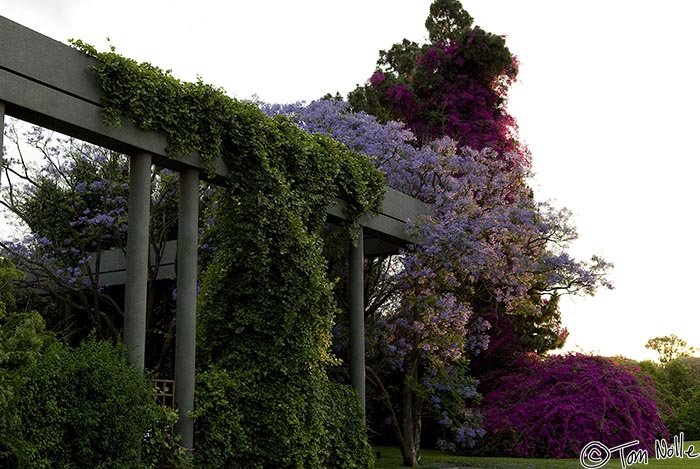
x=487, y=241
x=68, y=201
x=457, y=85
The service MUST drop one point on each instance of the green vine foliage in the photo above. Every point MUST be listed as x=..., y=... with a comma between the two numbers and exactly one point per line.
x=266, y=308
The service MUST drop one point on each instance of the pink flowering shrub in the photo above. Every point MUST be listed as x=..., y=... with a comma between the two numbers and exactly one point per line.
x=553, y=406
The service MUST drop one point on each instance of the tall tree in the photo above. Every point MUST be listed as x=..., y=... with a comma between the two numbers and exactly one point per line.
x=487, y=243
x=670, y=347
x=69, y=201
x=456, y=85
x=446, y=18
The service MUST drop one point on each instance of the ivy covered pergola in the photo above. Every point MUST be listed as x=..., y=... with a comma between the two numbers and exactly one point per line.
x=50, y=84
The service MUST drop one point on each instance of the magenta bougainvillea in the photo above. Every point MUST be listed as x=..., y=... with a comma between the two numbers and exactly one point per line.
x=457, y=85
x=553, y=406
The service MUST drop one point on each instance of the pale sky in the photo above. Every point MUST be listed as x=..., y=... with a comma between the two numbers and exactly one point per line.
x=607, y=101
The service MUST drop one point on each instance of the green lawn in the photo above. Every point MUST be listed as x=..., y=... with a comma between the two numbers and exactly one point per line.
x=391, y=459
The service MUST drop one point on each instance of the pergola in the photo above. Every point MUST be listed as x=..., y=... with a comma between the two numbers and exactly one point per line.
x=50, y=84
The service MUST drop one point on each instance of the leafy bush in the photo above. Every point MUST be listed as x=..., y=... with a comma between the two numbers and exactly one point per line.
x=346, y=430
x=161, y=446
x=22, y=340
x=236, y=429
x=8, y=274
x=219, y=431
x=678, y=384
x=75, y=407
x=83, y=407
x=554, y=406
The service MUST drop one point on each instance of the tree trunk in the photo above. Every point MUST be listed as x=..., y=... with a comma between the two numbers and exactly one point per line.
x=409, y=450
x=410, y=420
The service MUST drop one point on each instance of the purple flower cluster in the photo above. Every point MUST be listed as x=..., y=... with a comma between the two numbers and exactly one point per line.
x=456, y=86
x=73, y=204
x=485, y=226
x=553, y=406
x=485, y=229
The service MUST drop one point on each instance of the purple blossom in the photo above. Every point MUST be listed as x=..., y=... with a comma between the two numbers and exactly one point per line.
x=377, y=78
x=43, y=241
x=484, y=228
x=445, y=420
x=556, y=405
x=86, y=180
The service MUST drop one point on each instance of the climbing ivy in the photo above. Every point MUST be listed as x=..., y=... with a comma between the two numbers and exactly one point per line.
x=199, y=117
x=193, y=116
x=266, y=308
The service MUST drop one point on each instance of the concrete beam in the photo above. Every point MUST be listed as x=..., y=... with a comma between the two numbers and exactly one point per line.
x=51, y=84
x=389, y=222
x=186, y=312
x=48, y=83
x=113, y=264
x=58, y=110
x=137, y=248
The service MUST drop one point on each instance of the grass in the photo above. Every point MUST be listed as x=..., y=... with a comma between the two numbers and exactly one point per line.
x=391, y=459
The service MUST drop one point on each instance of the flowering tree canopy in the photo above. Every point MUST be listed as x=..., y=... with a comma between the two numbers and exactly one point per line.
x=486, y=242
x=507, y=253
x=68, y=200
x=72, y=206
x=456, y=85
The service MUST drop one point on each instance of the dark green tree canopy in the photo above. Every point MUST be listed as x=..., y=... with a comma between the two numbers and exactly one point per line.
x=670, y=347
x=445, y=19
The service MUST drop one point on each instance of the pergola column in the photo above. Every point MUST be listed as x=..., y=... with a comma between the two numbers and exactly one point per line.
x=137, y=250
x=2, y=123
x=357, y=316
x=186, y=312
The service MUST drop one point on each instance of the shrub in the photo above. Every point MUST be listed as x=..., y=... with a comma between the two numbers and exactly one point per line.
x=161, y=446
x=346, y=429
x=554, y=406
x=63, y=407
x=678, y=397
x=23, y=339
x=234, y=429
x=83, y=407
